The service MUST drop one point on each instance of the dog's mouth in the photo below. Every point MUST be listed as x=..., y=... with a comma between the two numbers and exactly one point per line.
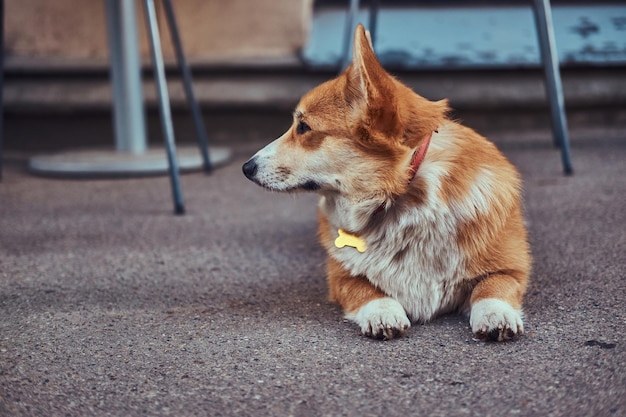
x=308, y=185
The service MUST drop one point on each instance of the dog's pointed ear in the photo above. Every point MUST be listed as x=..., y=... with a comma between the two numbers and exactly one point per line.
x=368, y=85
x=363, y=72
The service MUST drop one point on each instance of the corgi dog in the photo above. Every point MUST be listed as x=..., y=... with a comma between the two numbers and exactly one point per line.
x=419, y=215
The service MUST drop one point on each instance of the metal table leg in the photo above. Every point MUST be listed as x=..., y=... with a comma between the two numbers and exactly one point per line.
x=554, y=90
x=347, y=38
x=128, y=112
x=164, y=103
x=131, y=155
x=374, y=6
x=187, y=81
x=1, y=80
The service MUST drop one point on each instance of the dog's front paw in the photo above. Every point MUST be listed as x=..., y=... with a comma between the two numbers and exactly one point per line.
x=493, y=319
x=383, y=318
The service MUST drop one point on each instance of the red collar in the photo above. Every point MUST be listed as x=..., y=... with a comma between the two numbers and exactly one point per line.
x=418, y=157
x=416, y=161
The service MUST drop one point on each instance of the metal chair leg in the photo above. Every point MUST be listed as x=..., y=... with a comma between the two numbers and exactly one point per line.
x=347, y=38
x=373, y=28
x=187, y=81
x=554, y=89
x=164, y=104
x=1, y=80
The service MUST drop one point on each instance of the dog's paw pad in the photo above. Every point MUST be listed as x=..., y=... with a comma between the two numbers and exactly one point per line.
x=496, y=335
x=383, y=318
x=493, y=319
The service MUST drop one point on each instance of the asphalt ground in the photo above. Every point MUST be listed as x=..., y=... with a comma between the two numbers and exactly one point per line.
x=112, y=306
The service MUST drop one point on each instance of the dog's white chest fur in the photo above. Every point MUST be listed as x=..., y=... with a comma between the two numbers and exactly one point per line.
x=412, y=255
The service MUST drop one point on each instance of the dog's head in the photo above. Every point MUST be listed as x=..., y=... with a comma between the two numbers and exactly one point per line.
x=353, y=135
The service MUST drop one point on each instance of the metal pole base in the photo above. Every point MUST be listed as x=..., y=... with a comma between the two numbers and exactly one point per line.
x=115, y=164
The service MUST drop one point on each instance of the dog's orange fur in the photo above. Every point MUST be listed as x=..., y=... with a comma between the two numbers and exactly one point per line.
x=368, y=124
x=349, y=291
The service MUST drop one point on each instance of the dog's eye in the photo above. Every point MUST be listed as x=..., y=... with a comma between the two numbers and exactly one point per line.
x=302, y=128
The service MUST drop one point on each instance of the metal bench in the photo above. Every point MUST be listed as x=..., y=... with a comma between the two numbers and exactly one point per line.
x=549, y=61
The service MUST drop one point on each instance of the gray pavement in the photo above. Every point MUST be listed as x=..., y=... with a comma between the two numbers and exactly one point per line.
x=110, y=305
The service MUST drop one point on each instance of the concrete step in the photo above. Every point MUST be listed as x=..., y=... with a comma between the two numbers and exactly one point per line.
x=281, y=87
x=55, y=109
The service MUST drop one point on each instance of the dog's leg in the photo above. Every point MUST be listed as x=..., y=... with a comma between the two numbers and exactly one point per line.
x=496, y=307
x=378, y=315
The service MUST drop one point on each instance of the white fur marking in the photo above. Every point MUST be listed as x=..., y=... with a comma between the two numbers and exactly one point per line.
x=383, y=317
x=493, y=314
x=404, y=237
x=477, y=201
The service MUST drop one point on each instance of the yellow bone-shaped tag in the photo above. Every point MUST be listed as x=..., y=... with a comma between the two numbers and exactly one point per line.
x=346, y=239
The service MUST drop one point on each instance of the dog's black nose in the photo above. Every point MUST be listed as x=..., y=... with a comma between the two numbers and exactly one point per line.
x=250, y=168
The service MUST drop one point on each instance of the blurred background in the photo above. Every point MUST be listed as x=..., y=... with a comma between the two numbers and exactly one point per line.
x=252, y=60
